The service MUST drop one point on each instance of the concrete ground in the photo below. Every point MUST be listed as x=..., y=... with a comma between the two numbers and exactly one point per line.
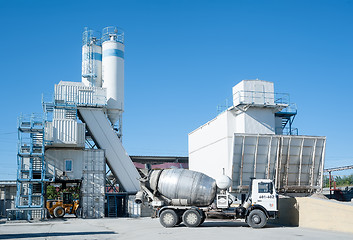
x=147, y=228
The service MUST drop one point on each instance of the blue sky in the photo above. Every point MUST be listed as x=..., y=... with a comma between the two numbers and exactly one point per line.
x=181, y=60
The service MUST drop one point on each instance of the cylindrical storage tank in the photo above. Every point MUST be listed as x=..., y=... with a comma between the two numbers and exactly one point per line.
x=179, y=185
x=91, y=59
x=113, y=71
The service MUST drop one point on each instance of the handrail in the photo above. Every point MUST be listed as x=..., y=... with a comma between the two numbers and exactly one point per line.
x=255, y=97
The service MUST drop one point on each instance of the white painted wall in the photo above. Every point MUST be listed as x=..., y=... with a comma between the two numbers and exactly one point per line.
x=278, y=125
x=259, y=121
x=55, y=159
x=209, y=147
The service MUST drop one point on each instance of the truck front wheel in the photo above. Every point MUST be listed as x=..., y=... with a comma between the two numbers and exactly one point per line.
x=192, y=218
x=256, y=219
x=168, y=218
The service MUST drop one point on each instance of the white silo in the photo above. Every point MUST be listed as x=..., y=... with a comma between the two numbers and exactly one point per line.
x=113, y=71
x=91, y=59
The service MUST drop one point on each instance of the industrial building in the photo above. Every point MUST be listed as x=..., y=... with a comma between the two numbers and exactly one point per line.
x=246, y=140
x=7, y=196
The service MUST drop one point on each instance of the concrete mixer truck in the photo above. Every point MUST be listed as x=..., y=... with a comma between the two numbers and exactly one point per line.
x=180, y=195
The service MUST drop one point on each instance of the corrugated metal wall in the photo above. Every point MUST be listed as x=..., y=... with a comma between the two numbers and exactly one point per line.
x=65, y=131
x=79, y=94
x=294, y=162
x=92, y=190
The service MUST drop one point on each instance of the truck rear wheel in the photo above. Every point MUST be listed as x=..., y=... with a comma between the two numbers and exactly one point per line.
x=59, y=212
x=192, y=218
x=257, y=219
x=168, y=218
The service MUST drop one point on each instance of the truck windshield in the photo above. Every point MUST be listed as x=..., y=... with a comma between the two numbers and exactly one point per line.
x=265, y=187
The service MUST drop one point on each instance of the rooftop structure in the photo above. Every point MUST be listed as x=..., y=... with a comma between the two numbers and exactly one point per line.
x=254, y=137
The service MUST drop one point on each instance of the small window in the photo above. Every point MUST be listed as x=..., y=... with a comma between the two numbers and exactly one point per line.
x=265, y=187
x=68, y=165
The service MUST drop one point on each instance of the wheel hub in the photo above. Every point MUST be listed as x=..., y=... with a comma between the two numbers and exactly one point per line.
x=256, y=219
x=191, y=218
x=168, y=218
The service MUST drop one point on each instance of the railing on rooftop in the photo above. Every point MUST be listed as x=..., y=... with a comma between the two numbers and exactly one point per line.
x=75, y=98
x=287, y=131
x=255, y=98
x=262, y=98
x=291, y=108
x=32, y=121
x=115, y=32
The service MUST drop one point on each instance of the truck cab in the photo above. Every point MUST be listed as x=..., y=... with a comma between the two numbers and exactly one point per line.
x=261, y=204
x=264, y=194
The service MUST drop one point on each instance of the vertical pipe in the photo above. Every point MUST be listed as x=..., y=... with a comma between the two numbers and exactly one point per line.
x=313, y=163
x=269, y=158
x=255, y=160
x=288, y=160
x=323, y=163
x=277, y=162
x=329, y=173
x=242, y=163
x=280, y=164
x=300, y=161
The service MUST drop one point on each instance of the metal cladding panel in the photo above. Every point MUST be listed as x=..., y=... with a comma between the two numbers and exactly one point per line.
x=93, y=183
x=92, y=205
x=79, y=94
x=65, y=131
x=48, y=131
x=294, y=162
x=59, y=113
x=117, y=158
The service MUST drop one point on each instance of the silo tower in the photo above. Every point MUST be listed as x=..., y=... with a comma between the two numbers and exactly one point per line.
x=113, y=72
x=91, y=58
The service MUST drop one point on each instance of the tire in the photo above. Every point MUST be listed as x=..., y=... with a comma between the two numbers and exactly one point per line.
x=256, y=219
x=168, y=218
x=192, y=218
x=59, y=212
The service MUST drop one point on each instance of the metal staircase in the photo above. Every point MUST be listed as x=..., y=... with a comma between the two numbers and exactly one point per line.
x=288, y=115
x=31, y=168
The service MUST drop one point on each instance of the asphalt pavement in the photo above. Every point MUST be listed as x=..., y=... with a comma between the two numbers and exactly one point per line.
x=147, y=228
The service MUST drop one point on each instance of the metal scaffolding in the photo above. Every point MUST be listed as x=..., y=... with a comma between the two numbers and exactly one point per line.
x=31, y=168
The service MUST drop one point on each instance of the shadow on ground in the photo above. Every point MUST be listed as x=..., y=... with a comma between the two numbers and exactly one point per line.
x=233, y=224
x=54, y=234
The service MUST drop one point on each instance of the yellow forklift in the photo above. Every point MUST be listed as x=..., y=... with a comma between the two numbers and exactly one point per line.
x=65, y=205
x=63, y=198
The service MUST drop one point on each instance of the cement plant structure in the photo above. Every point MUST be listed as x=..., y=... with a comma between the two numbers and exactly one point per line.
x=81, y=130
x=78, y=134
